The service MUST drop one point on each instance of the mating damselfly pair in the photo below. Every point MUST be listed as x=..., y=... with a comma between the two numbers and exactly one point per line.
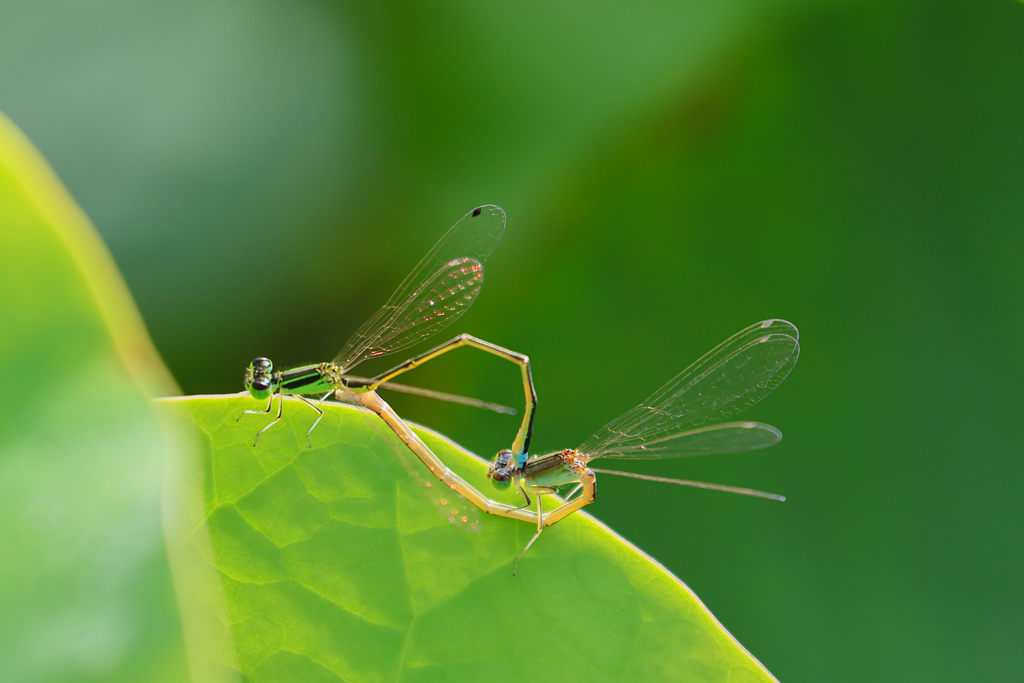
x=686, y=417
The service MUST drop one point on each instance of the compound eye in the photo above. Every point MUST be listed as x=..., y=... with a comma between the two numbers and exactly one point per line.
x=259, y=387
x=500, y=478
x=262, y=364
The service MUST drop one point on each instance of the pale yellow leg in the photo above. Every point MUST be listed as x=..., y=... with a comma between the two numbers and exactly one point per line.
x=589, y=483
x=540, y=528
x=280, y=407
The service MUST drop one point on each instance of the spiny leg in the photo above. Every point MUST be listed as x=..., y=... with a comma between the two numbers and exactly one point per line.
x=280, y=407
x=540, y=528
x=521, y=444
x=309, y=444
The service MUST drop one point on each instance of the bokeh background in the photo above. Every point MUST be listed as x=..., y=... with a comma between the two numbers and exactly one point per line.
x=266, y=172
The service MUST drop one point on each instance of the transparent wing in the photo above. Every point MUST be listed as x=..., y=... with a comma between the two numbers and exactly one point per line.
x=455, y=508
x=474, y=236
x=441, y=301
x=730, y=378
x=728, y=437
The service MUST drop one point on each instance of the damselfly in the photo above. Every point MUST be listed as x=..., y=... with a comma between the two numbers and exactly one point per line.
x=438, y=291
x=683, y=418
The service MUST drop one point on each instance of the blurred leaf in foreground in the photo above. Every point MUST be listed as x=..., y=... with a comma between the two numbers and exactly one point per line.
x=85, y=591
x=328, y=564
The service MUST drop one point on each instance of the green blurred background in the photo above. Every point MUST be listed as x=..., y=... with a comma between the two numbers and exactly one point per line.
x=266, y=172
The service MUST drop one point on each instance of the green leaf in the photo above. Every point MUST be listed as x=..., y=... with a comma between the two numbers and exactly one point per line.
x=329, y=564
x=85, y=590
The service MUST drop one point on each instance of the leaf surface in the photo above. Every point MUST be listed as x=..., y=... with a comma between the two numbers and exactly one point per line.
x=85, y=591
x=329, y=564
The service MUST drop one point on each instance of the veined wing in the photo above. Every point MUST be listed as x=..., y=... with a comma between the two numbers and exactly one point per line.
x=731, y=377
x=474, y=236
x=440, y=301
x=727, y=437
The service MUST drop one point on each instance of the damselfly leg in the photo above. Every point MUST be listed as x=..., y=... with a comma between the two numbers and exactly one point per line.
x=270, y=405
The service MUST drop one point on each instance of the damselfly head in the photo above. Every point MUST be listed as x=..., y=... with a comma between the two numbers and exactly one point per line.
x=259, y=377
x=500, y=471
